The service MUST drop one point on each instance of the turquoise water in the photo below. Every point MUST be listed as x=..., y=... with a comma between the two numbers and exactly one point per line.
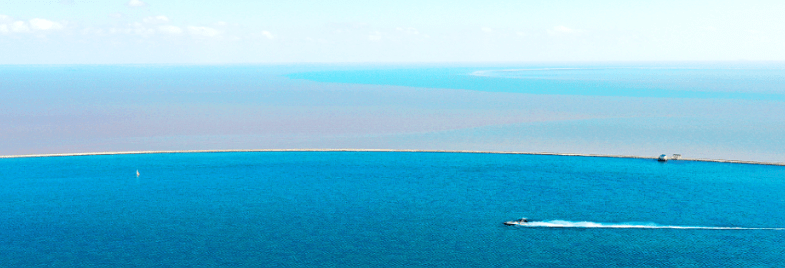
x=341, y=209
x=678, y=80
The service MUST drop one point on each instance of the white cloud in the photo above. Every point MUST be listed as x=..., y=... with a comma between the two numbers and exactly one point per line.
x=268, y=35
x=88, y=31
x=486, y=29
x=140, y=29
x=563, y=30
x=19, y=27
x=156, y=20
x=409, y=30
x=375, y=36
x=203, y=31
x=42, y=24
x=136, y=3
x=170, y=29
x=3, y=21
x=8, y=25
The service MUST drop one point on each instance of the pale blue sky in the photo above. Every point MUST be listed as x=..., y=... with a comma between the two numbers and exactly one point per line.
x=199, y=31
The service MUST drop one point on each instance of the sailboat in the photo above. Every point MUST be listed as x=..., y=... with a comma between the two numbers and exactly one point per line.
x=137, y=173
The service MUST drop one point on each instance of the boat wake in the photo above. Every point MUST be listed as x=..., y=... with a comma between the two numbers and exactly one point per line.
x=587, y=224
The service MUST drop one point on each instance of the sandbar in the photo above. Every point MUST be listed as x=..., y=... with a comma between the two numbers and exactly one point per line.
x=388, y=150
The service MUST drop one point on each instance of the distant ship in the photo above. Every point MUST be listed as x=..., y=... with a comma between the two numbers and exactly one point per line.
x=137, y=173
x=662, y=158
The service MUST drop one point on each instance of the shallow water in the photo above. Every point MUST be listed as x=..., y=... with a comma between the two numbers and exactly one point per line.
x=700, y=110
x=328, y=209
x=756, y=81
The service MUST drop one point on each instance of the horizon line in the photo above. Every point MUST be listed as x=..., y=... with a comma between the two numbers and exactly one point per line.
x=411, y=62
x=387, y=150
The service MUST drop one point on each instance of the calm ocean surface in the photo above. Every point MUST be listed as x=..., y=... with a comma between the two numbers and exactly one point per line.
x=373, y=209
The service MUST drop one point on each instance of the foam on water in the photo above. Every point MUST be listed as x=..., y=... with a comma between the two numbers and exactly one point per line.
x=588, y=224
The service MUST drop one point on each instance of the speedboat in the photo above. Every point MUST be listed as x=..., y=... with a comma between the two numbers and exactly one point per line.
x=521, y=221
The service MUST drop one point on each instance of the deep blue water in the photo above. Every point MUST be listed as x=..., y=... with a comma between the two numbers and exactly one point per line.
x=344, y=209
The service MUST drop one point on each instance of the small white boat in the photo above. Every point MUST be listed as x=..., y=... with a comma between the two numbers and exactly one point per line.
x=662, y=158
x=521, y=221
x=137, y=173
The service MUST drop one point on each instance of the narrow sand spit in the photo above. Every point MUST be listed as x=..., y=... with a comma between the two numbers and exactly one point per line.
x=387, y=150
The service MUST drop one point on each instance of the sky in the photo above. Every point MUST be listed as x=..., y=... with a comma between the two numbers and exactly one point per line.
x=297, y=31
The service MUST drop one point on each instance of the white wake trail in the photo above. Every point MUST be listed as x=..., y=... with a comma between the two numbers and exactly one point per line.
x=587, y=224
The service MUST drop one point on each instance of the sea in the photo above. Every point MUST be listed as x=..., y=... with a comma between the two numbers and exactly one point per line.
x=387, y=209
